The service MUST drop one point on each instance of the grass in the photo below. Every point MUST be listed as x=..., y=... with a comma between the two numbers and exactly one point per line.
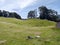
x=15, y=32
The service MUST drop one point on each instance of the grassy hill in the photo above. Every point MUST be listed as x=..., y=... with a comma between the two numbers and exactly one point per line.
x=15, y=32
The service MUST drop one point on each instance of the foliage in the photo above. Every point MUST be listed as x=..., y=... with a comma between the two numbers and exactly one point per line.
x=48, y=14
x=32, y=14
x=9, y=14
x=43, y=12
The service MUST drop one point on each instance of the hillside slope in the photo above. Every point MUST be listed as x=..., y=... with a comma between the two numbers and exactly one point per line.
x=15, y=32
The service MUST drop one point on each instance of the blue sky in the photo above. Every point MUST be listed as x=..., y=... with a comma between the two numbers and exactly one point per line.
x=22, y=7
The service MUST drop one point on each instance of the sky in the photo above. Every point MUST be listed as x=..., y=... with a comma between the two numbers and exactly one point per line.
x=22, y=7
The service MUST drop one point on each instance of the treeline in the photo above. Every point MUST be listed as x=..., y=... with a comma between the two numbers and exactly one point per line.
x=44, y=13
x=4, y=13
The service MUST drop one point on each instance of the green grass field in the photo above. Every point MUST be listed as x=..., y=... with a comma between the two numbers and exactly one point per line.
x=15, y=32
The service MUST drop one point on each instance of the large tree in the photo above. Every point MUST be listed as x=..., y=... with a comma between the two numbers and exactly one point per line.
x=43, y=12
x=53, y=15
x=32, y=14
x=48, y=14
x=17, y=15
x=14, y=15
x=9, y=14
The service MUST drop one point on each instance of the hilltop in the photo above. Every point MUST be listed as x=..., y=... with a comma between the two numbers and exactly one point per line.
x=15, y=32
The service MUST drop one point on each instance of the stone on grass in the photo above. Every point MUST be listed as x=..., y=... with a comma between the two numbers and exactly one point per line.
x=29, y=37
x=37, y=36
x=3, y=41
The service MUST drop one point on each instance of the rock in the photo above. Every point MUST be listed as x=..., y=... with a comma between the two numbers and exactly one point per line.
x=29, y=37
x=3, y=41
x=37, y=36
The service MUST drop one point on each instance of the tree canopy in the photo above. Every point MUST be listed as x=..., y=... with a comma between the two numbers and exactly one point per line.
x=48, y=14
x=9, y=14
x=32, y=14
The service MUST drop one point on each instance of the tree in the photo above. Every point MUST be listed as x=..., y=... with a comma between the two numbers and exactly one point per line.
x=53, y=15
x=9, y=14
x=32, y=14
x=48, y=14
x=4, y=13
x=14, y=15
x=1, y=13
x=52, y=12
x=17, y=15
x=43, y=12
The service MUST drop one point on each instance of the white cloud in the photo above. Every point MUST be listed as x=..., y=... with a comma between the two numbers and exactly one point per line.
x=13, y=4
x=16, y=4
x=2, y=0
x=25, y=3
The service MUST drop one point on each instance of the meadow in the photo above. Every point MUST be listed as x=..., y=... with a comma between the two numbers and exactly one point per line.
x=14, y=32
